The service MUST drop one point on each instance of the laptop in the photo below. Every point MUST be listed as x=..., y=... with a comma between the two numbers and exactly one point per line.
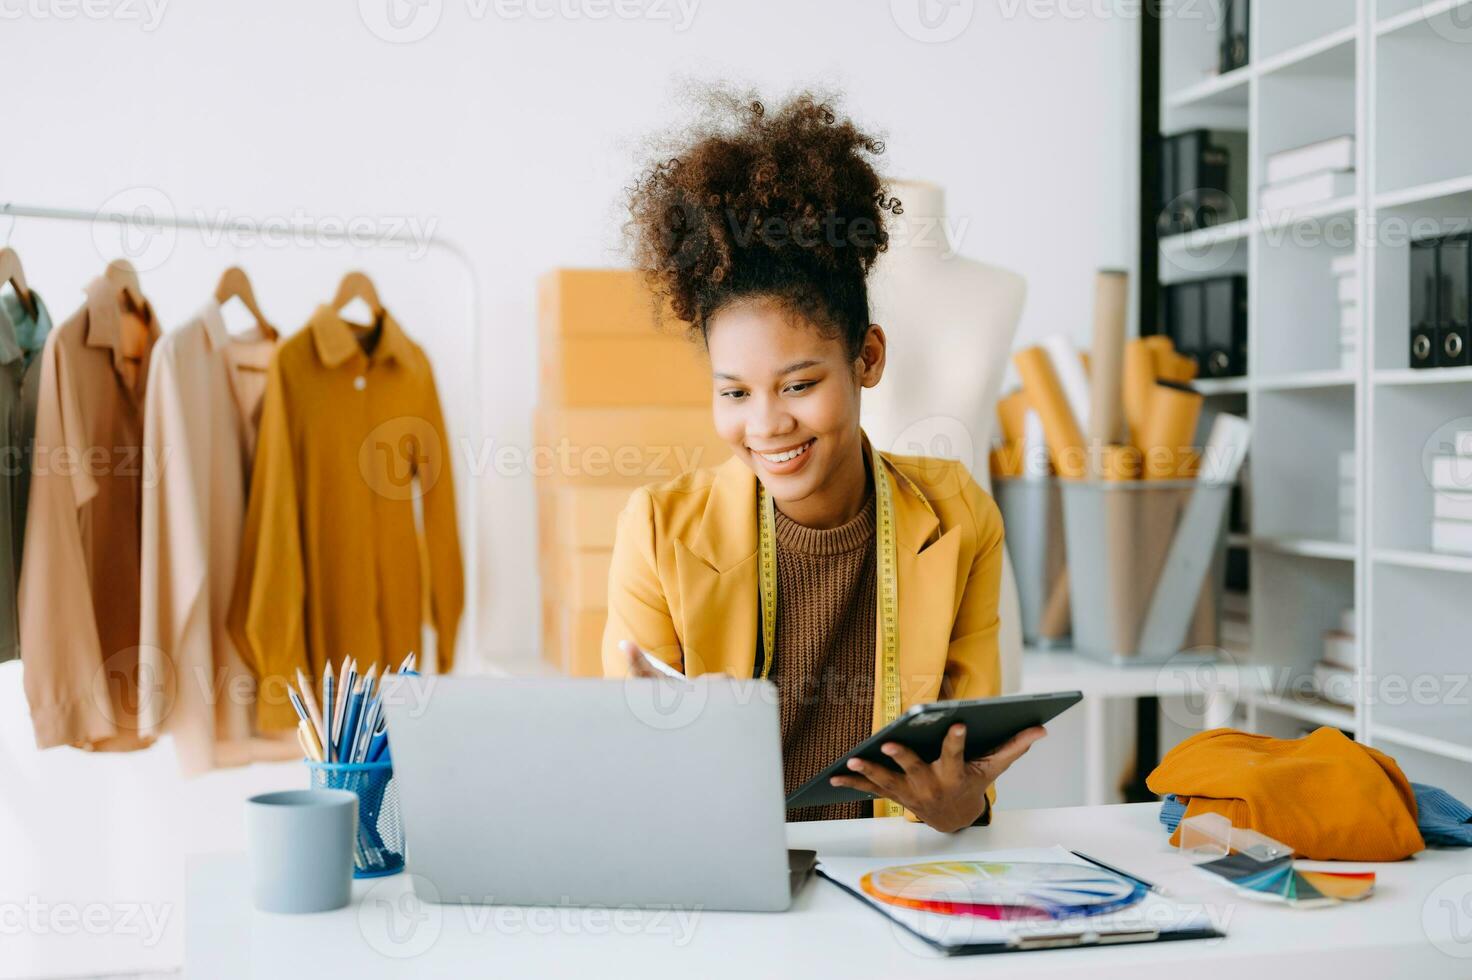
x=645, y=792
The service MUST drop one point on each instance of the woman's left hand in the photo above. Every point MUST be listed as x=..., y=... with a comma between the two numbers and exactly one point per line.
x=949, y=794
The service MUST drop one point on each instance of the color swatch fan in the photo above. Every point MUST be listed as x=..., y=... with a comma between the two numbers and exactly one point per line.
x=1002, y=890
x=1278, y=880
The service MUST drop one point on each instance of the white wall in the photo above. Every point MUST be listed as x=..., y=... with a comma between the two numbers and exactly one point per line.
x=515, y=136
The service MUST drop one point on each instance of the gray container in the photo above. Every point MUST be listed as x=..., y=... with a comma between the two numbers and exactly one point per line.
x=1032, y=513
x=301, y=849
x=1120, y=535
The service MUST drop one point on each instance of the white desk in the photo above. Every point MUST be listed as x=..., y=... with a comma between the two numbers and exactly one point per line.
x=386, y=932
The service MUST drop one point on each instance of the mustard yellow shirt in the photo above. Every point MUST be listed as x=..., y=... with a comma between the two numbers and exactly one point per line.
x=332, y=562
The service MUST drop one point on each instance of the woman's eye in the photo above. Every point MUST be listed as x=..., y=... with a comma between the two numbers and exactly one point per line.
x=800, y=386
x=733, y=395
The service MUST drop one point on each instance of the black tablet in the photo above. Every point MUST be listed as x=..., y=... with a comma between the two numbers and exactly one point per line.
x=989, y=723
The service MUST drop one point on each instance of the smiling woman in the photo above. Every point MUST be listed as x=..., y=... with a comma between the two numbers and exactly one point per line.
x=859, y=582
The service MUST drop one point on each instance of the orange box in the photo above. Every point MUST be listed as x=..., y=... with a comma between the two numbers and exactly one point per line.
x=573, y=641
x=622, y=446
x=598, y=302
x=647, y=370
x=587, y=517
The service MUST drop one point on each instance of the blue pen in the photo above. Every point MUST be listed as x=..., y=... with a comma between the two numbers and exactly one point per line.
x=350, y=723
x=376, y=747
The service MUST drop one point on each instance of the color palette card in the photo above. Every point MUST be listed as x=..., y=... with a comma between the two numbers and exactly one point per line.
x=1280, y=881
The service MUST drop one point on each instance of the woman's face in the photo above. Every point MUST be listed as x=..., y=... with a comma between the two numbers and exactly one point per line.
x=786, y=396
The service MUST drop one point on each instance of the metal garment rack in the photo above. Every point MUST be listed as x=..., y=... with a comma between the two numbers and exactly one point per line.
x=470, y=540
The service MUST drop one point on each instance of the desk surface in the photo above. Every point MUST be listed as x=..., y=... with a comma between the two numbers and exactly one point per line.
x=1419, y=923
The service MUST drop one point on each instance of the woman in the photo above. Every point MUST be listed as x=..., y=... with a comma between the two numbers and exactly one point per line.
x=859, y=582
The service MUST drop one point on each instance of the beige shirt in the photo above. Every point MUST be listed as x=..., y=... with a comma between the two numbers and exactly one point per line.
x=79, y=579
x=201, y=417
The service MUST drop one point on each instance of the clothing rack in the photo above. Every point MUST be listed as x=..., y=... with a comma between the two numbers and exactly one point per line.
x=470, y=540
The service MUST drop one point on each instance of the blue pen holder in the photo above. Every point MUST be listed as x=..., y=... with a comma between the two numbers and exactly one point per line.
x=379, y=847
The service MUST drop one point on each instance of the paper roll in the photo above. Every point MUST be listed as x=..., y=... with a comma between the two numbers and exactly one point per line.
x=1119, y=463
x=1010, y=412
x=1169, y=430
x=1106, y=406
x=1045, y=395
x=1139, y=379
x=1070, y=371
x=1006, y=461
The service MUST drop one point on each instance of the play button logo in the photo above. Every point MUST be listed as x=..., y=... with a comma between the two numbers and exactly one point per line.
x=400, y=21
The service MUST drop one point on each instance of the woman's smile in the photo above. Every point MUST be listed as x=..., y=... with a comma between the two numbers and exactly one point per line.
x=781, y=462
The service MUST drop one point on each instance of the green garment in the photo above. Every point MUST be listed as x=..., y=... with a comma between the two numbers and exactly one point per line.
x=22, y=335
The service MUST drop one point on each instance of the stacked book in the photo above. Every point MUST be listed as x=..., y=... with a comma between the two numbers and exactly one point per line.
x=1346, y=272
x=1335, y=675
x=1346, y=496
x=1451, y=485
x=624, y=401
x=1308, y=175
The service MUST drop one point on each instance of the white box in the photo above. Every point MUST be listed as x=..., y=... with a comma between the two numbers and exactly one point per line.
x=1344, y=265
x=1452, y=506
x=1335, y=153
x=1335, y=684
x=1452, y=537
x=1348, y=622
x=1451, y=473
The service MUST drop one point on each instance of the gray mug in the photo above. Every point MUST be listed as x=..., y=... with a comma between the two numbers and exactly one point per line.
x=301, y=849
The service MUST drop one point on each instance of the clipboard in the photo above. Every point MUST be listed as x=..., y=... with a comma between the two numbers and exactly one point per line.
x=1073, y=933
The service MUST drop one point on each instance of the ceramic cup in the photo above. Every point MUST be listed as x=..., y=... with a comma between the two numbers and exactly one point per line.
x=301, y=849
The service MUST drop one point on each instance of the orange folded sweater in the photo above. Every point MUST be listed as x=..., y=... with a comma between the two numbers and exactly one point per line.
x=1326, y=796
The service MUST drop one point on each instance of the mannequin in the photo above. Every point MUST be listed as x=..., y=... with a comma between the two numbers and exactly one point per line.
x=950, y=323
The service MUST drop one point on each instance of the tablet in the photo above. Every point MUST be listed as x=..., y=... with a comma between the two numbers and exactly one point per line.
x=989, y=723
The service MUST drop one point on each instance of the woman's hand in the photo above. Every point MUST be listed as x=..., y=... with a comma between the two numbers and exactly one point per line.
x=638, y=665
x=948, y=794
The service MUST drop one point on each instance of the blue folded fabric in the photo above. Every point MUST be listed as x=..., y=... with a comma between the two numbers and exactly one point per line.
x=1444, y=820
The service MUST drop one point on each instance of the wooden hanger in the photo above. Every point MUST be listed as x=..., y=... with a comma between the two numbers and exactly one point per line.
x=120, y=273
x=11, y=272
x=357, y=285
x=235, y=283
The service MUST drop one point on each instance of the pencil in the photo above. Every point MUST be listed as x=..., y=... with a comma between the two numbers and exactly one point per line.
x=310, y=700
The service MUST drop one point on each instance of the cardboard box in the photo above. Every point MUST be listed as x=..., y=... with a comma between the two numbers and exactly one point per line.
x=572, y=641
x=645, y=370
x=586, y=517
x=622, y=446
x=598, y=302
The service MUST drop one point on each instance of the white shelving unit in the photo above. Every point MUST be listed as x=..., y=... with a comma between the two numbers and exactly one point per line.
x=1396, y=74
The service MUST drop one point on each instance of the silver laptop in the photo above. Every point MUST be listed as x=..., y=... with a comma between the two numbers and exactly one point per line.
x=645, y=792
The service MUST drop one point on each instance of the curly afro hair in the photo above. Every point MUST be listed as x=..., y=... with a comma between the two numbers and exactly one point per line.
x=781, y=205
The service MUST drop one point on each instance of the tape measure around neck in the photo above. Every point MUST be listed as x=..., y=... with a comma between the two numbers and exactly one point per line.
x=888, y=594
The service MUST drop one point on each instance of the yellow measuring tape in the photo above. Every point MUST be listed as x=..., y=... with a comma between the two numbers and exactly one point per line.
x=889, y=609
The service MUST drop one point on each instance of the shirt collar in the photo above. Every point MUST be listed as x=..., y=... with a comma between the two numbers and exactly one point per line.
x=214, y=325
x=105, y=300
x=21, y=334
x=337, y=341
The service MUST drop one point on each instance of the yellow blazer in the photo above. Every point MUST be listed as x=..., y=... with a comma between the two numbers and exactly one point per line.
x=683, y=583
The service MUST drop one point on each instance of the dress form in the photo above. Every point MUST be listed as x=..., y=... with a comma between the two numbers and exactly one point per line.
x=950, y=322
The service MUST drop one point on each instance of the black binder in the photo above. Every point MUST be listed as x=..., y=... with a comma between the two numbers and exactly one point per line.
x=1234, y=50
x=1454, y=263
x=1183, y=319
x=1424, y=287
x=1224, y=334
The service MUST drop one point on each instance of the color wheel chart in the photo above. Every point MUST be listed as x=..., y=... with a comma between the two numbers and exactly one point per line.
x=1002, y=890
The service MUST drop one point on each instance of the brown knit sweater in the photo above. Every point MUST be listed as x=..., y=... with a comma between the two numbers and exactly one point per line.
x=824, y=670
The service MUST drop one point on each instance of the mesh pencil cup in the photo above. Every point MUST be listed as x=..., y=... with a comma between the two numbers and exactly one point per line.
x=379, y=847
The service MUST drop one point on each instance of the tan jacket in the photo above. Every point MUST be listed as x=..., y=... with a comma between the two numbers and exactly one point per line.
x=79, y=580
x=683, y=584
x=332, y=563
x=200, y=422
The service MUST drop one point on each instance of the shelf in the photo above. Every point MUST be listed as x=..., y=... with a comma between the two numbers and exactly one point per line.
x=1307, y=547
x=1436, y=561
x=1446, y=735
x=1439, y=190
x=1206, y=237
x=1271, y=221
x=1305, y=708
x=1401, y=377
x=1222, y=386
x=1223, y=90
x=1433, y=15
x=1335, y=378
x=1332, y=54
